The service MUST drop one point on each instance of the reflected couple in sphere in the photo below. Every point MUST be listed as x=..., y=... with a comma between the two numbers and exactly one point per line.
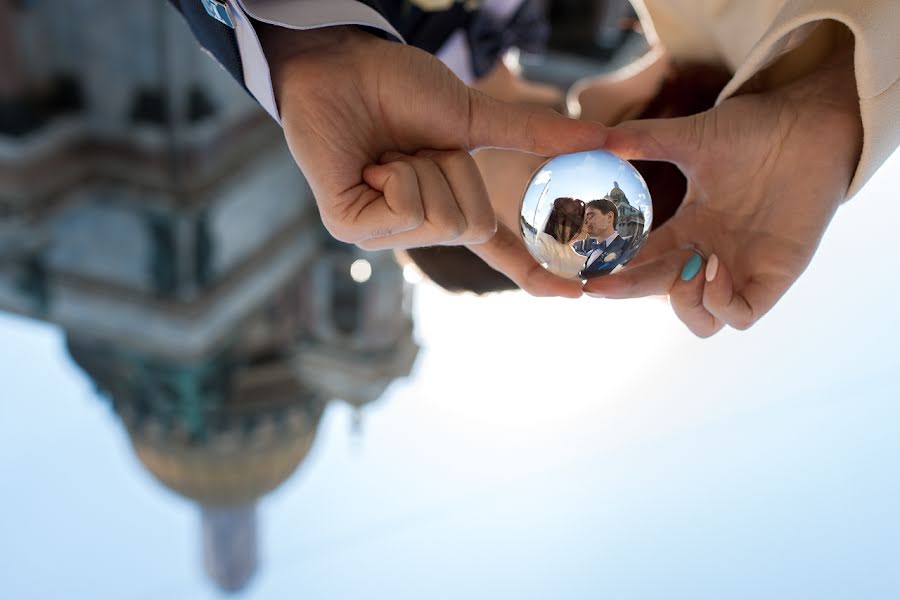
x=585, y=215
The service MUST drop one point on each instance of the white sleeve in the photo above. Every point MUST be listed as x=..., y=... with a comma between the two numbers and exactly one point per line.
x=293, y=14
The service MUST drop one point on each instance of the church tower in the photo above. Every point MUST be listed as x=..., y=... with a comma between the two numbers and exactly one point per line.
x=151, y=210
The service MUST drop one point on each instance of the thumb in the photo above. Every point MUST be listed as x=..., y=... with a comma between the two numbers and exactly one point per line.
x=496, y=124
x=671, y=140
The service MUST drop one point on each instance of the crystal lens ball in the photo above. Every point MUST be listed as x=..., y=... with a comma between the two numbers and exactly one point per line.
x=585, y=215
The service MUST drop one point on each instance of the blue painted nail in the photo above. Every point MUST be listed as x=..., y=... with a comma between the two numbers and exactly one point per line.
x=691, y=267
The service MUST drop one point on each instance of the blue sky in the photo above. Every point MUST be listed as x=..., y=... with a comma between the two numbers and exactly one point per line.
x=757, y=464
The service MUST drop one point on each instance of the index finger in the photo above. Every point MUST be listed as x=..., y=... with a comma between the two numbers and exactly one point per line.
x=674, y=140
x=505, y=252
x=496, y=124
x=655, y=277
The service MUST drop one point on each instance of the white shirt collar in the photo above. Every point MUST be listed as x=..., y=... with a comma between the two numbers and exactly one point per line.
x=610, y=239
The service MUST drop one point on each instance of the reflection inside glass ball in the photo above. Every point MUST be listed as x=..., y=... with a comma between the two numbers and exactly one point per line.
x=585, y=215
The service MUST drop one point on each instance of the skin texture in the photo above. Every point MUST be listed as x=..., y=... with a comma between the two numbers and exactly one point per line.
x=597, y=224
x=383, y=133
x=766, y=174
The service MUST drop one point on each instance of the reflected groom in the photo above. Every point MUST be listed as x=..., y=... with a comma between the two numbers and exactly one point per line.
x=604, y=247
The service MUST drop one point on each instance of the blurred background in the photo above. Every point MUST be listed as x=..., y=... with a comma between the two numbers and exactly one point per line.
x=201, y=393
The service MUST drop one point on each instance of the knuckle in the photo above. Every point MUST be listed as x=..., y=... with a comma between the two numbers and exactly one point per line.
x=452, y=227
x=484, y=231
x=402, y=168
x=455, y=159
x=480, y=236
x=342, y=233
x=429, y=155
x=742, y=323
x=418, y=159
x=704, y=332
x=414, y=218
x=456, y=229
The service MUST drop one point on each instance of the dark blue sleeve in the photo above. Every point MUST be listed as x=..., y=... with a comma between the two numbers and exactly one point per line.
x=216, y=37
x=221, y=41
x=428, y=30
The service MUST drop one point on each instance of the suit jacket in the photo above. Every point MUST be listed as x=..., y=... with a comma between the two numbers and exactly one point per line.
x=600, y=254
x=428, y=30
x=219, y=39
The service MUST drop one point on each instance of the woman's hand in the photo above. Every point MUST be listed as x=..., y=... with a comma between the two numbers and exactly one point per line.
x=383, y=131
x=766, y=173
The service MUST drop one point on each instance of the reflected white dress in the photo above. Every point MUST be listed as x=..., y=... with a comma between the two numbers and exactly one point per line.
x=560, y=259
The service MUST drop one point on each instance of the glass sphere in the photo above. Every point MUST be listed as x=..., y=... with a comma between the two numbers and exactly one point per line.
x=585, y=215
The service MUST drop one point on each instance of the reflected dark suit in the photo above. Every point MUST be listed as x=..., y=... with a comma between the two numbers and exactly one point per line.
x=586, y=246
x=602, y=251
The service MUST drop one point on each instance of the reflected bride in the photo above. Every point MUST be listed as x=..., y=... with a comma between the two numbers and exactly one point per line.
x=564, y=227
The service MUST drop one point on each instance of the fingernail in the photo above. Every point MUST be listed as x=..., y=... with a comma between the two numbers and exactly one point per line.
x=595, y=294
x=712, y=267
x=691, y=267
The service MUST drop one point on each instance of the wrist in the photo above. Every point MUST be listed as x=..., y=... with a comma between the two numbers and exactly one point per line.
x=287, y=49
x=282, y=43
x=832, y=82
x=826, y=103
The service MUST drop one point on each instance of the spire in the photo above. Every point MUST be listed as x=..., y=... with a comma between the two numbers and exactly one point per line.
x=230, y=552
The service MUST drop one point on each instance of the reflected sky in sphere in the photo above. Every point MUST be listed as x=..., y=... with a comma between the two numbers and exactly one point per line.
x=587, y=176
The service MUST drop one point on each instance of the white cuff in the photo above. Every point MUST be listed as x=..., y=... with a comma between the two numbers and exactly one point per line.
x=293, y=14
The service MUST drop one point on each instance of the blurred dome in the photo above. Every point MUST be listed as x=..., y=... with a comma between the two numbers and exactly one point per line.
x=231, y=470
x=248, y=445
x=219, y=433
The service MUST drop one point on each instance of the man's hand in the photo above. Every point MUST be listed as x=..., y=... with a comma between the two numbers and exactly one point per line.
x=766, y=174
x=383, y=131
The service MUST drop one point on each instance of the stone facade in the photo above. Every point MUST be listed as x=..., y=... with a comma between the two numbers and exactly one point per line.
x=156, y=216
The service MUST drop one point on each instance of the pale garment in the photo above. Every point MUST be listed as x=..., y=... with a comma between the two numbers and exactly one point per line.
x=791, y=36
x=560, y=259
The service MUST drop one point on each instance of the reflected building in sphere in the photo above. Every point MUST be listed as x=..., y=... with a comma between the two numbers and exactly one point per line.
x=631, y=219
x=152, y=211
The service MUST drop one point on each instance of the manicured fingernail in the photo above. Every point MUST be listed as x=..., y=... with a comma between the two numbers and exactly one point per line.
x=595, y=294
x=691, y=267
x=712, y=267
